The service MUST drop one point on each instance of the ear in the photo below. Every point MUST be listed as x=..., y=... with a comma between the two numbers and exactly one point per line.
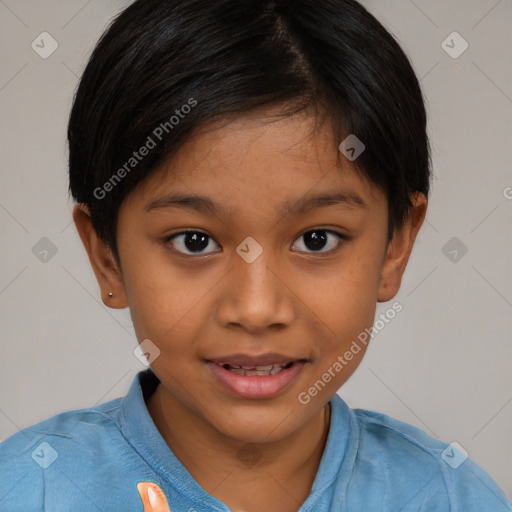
x=102, y=260
x=399, y=249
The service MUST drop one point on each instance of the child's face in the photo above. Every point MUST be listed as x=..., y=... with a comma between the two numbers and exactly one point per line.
x=302, y=300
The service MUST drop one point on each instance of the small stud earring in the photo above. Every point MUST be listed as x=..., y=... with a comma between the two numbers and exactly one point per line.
x=110, y=294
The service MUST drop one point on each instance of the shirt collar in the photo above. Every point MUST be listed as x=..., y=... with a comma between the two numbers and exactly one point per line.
x=138, y=427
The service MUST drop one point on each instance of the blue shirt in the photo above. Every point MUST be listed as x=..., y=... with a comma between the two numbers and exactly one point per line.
x=92, y=459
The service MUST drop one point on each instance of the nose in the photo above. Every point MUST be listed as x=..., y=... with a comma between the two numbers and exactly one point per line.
x=255, y=296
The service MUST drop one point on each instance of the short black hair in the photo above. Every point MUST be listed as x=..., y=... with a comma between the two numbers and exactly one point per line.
x=162, y=69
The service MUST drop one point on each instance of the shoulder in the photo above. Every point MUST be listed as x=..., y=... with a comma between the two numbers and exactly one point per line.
x=420, y=471
x=27, y=457
x=395, y=434
x=69, y=426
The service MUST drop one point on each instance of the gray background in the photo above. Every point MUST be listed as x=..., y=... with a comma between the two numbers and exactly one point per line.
x=443, y=364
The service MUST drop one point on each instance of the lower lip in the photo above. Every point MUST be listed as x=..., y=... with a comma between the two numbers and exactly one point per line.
x=255, y=386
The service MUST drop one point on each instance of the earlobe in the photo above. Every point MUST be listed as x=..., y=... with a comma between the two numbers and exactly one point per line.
x=399, y=249
x=102, y=260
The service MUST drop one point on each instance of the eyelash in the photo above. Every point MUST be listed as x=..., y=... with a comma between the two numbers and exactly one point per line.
x=343, y=238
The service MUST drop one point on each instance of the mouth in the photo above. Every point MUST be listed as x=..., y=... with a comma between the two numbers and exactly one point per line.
x=256, y=377
x=259, y=371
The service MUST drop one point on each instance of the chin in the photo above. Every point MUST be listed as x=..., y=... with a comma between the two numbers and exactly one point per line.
x=258, y=424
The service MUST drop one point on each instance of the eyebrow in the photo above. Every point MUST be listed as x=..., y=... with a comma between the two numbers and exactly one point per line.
x=298, y=207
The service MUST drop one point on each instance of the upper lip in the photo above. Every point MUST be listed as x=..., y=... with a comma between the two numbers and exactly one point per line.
x=255, y=360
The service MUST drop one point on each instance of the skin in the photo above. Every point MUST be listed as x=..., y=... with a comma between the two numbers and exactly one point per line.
x=294, y=299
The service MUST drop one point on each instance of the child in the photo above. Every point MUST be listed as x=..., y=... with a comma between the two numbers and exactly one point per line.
x=250, y=177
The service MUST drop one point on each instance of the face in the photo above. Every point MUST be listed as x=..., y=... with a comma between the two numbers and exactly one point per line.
x=252, y=260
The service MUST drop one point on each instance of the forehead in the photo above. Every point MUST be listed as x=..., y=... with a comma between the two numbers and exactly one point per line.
x=260, y=157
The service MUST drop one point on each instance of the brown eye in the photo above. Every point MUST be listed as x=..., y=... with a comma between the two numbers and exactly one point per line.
x=191, y=242
x=316, y=240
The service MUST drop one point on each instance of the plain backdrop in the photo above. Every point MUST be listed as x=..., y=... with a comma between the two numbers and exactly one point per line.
x=443, y=364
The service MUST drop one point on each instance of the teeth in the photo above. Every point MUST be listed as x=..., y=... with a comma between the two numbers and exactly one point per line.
x=251, y=373
x=259, y=371
x=259, y=368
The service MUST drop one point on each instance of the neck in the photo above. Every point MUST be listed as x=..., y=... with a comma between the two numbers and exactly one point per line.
x=239, y=474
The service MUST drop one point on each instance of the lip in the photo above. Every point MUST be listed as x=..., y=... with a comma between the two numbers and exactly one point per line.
x=255, y=387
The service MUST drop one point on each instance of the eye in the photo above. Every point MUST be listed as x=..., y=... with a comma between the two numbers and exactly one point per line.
x=193, y=241
x=317, y=239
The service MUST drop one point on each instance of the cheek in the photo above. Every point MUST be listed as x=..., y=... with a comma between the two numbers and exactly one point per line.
x=347, y=300
x=342, y=340
x=346, y=304
x=163, y=299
